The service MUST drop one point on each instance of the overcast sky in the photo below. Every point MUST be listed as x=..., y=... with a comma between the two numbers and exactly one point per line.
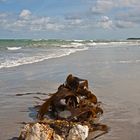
x=70, y=19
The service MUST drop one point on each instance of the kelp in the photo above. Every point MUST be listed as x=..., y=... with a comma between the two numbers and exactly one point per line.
x=72, y=103
x=36, y=93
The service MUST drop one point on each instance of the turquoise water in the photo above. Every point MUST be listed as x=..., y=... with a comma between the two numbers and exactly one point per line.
x=20, y=52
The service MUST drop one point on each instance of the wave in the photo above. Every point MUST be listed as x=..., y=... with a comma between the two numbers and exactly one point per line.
x=37, y=39
x=38, y=43
x=91, y=44
x=73, y=45
x=13, y=48
x=79, y=40
x=37, y=58
x=122, y=62
x=113, y=43
x=129, y=62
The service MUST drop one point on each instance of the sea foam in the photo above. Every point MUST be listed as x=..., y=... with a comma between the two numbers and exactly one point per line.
x=13, y=48
x=10, y=62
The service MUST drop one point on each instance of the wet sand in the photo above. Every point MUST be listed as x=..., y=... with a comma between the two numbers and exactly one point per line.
x=115, y=84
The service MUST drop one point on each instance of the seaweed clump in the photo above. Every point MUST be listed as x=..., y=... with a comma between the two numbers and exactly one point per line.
x=72, y=103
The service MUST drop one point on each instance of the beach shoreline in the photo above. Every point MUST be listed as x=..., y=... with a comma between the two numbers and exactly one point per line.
x=116, y=85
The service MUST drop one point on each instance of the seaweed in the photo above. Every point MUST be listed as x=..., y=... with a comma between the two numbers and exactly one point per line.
x=73, y=103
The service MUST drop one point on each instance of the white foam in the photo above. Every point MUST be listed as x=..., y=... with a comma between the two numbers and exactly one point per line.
x=126, y=61
x=78, y=40
x=38, y=58
x=37, y=39
x=112, y=44
x=13, y=48
x=91, y=44
x=137, y=61
x=117, y=43
x=122, y=62
x=72, y=45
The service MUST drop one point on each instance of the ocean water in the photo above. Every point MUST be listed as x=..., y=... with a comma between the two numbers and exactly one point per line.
x=19, y=52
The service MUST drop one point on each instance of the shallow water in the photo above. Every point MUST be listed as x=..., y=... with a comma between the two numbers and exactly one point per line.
x=113, y=74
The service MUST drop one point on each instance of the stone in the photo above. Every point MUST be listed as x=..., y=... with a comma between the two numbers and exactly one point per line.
x=36, y=132
x=42, y=131
x=57, y=137
x=78, y=132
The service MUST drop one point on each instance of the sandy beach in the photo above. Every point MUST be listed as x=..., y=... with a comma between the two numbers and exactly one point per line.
x=114, y=81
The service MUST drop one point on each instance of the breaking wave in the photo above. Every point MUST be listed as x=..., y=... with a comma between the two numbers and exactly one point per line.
x=22, y=60
x=113, y=44
x=73, y=45
x=19, y=52
x=129, y=61
x=121, y=62
x=13, y=48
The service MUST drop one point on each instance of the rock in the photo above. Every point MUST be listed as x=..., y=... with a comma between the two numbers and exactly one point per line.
x=57, y=137
x=42, y=131
x=78, y=132
x=36, y=132
x=68, y=114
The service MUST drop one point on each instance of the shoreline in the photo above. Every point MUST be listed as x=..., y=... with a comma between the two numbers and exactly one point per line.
x=116, y=85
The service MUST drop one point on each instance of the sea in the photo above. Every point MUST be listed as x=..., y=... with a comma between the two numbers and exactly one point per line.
x=15, y=52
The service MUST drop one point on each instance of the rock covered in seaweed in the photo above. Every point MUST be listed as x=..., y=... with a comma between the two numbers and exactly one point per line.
x=69, y=114
x=42, y=131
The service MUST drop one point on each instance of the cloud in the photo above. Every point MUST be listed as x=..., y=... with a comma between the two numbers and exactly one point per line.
x=102, y=6
x=101, y=16
x=73, y=16
x=25, y=14
x=76, y=21
x=105, y=22
x=27, y=22
x=129, y=19
x=73, y=22
x=44, y=24
x=3, y=15
x=127, y=3
x=3, y=20
x=124, y=24
x=122, y=13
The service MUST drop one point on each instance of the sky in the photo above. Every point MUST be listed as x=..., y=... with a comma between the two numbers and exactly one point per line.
x=69, y=19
